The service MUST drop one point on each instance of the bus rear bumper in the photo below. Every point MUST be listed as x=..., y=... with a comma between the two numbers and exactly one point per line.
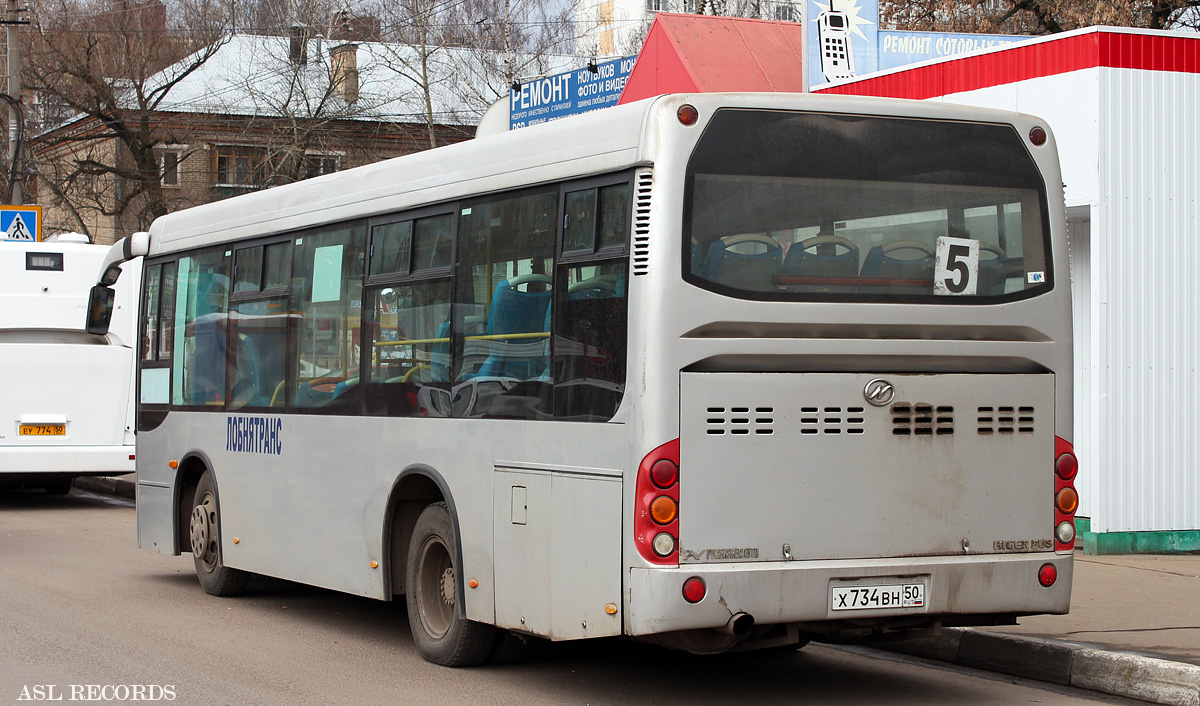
x=801, y=591
x=68, y=460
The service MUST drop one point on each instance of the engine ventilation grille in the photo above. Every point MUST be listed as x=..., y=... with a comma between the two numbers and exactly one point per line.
x=831, y=420
x=922, y=419
x=643, y=180
x=740, y=421
x=1005, y=420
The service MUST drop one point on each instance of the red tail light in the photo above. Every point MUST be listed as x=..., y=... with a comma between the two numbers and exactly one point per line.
x=1047, y=575
x=656, y=513
x=1066, y=500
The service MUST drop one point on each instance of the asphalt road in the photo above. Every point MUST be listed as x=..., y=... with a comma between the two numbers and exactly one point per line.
x=84, y=610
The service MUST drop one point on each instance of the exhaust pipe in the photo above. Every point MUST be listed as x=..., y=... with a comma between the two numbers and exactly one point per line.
x=739, y=625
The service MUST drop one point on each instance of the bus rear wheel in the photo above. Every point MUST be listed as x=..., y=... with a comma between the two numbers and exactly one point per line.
x=204, y=528
x=441, y=631
x=59, y=486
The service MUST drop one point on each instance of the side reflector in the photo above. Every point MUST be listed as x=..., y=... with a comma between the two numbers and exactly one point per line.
x=173, y=464
x=694, y=589
x=1047, y=575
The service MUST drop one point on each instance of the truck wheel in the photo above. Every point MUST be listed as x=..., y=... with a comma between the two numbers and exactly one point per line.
x=204, y=529
x=440, y=630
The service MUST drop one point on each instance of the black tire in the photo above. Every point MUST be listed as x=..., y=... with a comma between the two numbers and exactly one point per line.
x=441, y=632
x=204, y=529
x=59, y=486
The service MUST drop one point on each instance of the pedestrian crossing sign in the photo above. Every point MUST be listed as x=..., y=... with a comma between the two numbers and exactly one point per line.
x=21, y=223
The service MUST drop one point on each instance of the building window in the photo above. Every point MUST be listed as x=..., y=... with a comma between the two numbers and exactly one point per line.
x=318, y=164
x=785, y=12
x=239, y=166
x=168, y=167
x=658, y=5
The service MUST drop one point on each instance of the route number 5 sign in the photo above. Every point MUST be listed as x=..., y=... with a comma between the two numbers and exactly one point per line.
x=956, y=269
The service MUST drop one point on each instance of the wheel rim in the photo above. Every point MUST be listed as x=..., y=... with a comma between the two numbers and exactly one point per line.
x=437, y=587
x=203, y=528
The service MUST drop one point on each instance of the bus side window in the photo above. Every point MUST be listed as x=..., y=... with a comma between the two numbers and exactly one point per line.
x=407, y=326
x=327, y=290
x=150, y=311
x=258, y=326
x=198, y=374
x=505, y=280
x=590, y=308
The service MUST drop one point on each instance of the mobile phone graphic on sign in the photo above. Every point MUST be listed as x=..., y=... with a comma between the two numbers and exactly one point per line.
x=833, y=36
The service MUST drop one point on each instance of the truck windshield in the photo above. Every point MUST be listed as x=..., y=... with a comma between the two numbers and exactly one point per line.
x=814, y=206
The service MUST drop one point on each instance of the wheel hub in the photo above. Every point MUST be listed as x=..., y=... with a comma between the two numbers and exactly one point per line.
x=200, y=531
x=449, y=586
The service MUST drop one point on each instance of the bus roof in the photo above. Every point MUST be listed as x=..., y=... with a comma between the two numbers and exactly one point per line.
x=591, y=143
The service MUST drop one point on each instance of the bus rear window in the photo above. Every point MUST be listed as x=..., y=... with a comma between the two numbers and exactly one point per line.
x=807, y=206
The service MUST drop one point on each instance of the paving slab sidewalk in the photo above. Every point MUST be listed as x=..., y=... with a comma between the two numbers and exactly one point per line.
x=1133, y=629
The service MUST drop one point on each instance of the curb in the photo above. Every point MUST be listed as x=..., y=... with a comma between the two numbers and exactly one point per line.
x=110, y=486
x=1125, y=674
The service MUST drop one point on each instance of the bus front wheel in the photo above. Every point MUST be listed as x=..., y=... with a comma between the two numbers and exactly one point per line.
x=204, y=528
x=441, y=631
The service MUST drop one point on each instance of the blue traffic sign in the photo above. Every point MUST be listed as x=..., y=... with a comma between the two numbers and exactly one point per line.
x=21, y=223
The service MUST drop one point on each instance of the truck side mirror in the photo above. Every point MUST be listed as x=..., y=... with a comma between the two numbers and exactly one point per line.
x=100, y=309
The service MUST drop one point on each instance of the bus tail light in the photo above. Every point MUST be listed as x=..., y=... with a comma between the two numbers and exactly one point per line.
x=1066, y=499
x=656, y=511
x=1047, y=575
x=664, y=510
x=694, y=589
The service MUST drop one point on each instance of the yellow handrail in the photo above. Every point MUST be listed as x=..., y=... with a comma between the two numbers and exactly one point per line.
x=482, y=337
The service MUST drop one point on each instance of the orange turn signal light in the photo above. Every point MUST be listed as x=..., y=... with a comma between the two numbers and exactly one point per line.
x=1066, y=501
x=664, y=510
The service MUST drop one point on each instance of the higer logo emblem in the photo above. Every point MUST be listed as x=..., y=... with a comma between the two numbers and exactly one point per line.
x=879, y=392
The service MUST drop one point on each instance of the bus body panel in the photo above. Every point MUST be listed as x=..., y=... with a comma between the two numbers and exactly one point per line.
x=827, y=474
x=801, y=591
x=327, y=529
x=558, y=551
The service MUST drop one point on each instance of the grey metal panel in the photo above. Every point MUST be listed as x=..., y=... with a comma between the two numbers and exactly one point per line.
x=155, y=508
x=799, y=591
x=558, y=558
x=955, y=464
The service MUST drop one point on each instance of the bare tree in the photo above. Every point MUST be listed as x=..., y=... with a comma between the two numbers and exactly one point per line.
x=304, y=96
x=112, y=63
x=503, y=42
x=415, y=31
x=1037, y=16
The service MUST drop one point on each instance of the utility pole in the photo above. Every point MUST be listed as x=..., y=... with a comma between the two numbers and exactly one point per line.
x=13, y=19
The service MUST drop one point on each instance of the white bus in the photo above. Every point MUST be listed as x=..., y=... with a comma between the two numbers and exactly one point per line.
x=716, y=371
x=67, y=406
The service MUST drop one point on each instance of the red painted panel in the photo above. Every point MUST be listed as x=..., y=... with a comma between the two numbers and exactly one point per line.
x=685, y=53
x=659, y=69
x=1147, y=51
